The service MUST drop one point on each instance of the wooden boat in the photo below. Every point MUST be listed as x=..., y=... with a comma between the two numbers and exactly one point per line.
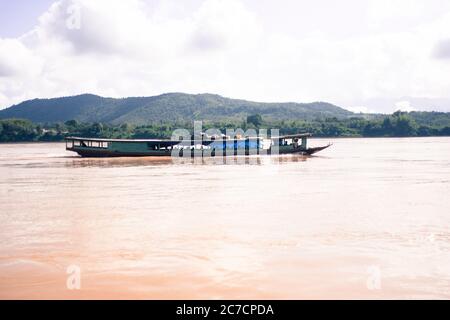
x=211, y=147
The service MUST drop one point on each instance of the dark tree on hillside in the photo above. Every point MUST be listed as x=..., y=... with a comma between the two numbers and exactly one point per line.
x=387, y=125
x=17, y=130
x=445, y=131
x=97, y=128
x=255, y=119
x=72, y=123
x=405, y=126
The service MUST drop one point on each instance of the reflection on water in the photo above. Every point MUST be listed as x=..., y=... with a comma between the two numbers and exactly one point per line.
x=76, y=161
x=157, y=161
x=253, y=227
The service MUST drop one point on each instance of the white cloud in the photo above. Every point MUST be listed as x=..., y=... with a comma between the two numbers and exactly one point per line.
x=226, y=47
x=224, y=25
x=442, y=49
x=17, y=60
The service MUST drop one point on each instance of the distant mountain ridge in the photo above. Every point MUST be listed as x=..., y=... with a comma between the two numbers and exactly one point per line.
x=164, y=107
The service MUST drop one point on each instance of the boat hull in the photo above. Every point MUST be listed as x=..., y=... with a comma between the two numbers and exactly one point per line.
x=102, y=153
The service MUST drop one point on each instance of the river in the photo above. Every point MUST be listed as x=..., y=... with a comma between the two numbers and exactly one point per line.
x=366, y=218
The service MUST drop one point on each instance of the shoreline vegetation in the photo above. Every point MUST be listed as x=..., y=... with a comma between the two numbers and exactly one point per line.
x=399, y=124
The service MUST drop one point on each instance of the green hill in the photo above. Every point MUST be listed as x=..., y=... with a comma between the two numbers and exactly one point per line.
x=166, y=107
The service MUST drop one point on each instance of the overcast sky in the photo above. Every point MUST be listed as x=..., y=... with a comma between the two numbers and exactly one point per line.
x=374, y=55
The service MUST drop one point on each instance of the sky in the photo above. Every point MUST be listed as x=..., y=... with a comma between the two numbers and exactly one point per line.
x=363, y=55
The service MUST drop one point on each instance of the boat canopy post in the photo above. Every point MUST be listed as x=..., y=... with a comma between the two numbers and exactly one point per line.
x=304, y=142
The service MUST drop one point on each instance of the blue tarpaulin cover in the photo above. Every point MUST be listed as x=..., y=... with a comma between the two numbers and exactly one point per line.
x=218, y=145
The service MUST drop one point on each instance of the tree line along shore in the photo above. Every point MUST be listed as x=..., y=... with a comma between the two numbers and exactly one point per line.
x=399, y=124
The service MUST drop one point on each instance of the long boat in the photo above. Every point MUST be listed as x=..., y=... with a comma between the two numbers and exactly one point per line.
x=223, y=146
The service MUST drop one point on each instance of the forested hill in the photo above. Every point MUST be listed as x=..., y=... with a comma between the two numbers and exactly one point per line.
x=166, y=107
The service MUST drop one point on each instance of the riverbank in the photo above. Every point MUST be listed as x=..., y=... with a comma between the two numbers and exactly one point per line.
x=399, y=124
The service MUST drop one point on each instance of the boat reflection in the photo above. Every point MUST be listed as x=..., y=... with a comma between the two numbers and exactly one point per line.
x=161, y=161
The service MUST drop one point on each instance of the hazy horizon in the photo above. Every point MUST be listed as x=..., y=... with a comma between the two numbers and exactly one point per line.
x=380, y=56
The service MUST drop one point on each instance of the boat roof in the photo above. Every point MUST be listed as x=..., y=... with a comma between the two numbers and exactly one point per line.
x=114, y=140
x=290, y=136
x=293, y=136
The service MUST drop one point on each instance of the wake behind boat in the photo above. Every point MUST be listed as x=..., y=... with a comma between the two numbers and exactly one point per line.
x=211, y=147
